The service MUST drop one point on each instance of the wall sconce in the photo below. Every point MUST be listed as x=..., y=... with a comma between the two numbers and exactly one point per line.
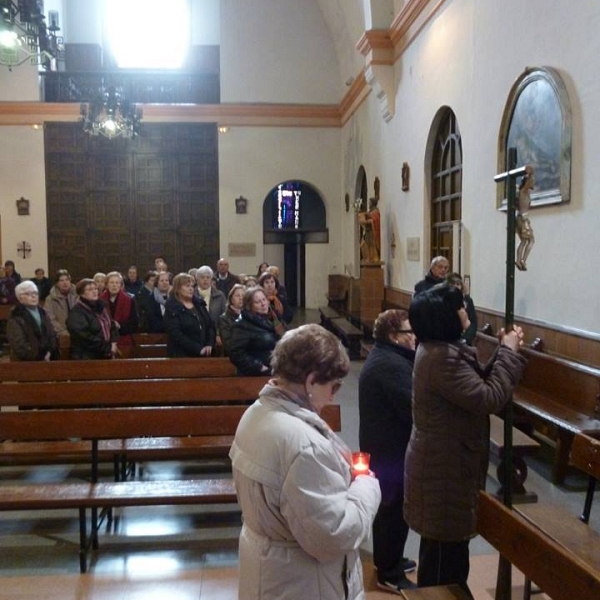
x=22, y=207
x=241, y=205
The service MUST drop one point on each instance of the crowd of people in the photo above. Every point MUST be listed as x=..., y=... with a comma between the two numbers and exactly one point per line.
x=424, y=406
x=199, y=312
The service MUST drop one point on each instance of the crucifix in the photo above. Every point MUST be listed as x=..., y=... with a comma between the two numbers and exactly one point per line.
x=504, y=580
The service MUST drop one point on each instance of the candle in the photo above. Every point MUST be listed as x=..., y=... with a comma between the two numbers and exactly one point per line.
x=360, y=462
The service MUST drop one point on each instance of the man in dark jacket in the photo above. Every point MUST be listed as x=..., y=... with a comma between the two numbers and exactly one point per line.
x=44, y=285
x=225, y=280
x=384, y=396
x=437, y=272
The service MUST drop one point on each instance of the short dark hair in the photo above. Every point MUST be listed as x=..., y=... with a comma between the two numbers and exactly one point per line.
x=389, y=321
x=309, y=349
x=434, y=314
x=266, y=275
x=149, y=275
x=9, y=263
x=62, y=273
x=82, y=284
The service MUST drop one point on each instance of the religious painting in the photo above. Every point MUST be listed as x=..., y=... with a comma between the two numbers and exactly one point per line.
x=537, y=122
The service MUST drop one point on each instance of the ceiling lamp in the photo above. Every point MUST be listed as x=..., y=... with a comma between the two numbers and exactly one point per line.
x=24, y=35
x=110, y=116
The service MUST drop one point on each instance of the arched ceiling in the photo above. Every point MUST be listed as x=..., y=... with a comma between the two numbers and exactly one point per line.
x=346, y=22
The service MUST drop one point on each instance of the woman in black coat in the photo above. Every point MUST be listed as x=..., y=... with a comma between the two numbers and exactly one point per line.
x=93, y=333
x=384, y=396
x=190, y=330
x=254, y=335
x=29, y=330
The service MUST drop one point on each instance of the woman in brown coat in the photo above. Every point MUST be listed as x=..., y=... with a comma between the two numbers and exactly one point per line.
x=447, y=453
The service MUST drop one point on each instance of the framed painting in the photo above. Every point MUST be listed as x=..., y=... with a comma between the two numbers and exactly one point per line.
x=537, y=122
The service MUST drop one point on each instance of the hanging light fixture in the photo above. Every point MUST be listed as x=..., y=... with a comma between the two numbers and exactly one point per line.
x=111, y=116
x=25, y=37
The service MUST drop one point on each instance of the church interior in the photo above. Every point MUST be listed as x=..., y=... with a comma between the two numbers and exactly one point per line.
x=349, y=142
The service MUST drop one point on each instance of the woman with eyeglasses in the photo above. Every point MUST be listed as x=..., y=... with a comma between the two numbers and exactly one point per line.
x=384, y=399
x=29, y=330
x=305, y=511
x=446, y=460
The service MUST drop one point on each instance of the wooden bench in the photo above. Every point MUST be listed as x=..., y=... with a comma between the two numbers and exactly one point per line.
x=560, y=572
x=438, y=592
x=156, y=392
x=523, y=445
x=558, y=397
x=327, y=314
x=135, y=368
x=145, y=345
x=96, y=424
x=350, y=336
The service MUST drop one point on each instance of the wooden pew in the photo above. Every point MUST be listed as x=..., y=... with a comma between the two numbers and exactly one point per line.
x=137, y=368
x=145, y=345
x=559, y=572
x=88, y=394
x=96, y=424
x=559, y=397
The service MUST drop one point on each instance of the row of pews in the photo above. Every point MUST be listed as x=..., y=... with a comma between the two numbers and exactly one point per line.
x=120, y=412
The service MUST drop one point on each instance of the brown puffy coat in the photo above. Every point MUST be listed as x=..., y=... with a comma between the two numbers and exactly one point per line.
x=452, y=398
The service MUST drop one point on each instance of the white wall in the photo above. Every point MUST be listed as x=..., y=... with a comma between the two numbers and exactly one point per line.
x=252, y=161
x=468, y=58
x=276, y=51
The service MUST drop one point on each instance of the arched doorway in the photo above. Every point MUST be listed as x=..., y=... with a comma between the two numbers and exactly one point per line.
x=294, y=215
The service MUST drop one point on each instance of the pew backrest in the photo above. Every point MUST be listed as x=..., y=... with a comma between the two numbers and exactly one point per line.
x=137, y=368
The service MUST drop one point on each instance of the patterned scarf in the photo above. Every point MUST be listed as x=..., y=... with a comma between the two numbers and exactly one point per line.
x=98, y=309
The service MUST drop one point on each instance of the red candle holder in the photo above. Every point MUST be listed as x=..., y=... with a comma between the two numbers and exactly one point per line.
x=360, y=462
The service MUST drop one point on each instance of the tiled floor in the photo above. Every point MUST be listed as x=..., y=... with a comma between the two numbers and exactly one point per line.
x=178, y=553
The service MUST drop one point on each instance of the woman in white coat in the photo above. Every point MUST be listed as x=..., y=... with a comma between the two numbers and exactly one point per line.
x=305, y=512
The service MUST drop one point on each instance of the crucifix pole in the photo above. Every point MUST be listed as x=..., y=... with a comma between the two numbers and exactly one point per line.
x=504, y=580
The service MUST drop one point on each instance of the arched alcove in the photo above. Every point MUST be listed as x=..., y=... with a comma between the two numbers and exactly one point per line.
x=294, y=215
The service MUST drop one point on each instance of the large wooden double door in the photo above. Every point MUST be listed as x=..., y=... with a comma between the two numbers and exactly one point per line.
x=114, y=203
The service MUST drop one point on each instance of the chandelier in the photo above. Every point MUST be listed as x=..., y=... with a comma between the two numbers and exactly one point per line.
x=111, y=116
x=24, y=35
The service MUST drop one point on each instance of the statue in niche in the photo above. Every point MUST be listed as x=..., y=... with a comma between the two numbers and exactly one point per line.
x=370, y=228
x=523, y=225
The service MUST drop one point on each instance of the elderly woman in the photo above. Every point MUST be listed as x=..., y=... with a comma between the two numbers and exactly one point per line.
x=235, y=301
x=384, y=399
x=305, y=511
x=157, y=302
x=277, y=298
x=94, y=334
x=60, y=301
x=100, y=281
x=29, y=330
x=121, y=307
x=190, y=330
x=254, y=334
x=453, y=396
x=215, y=301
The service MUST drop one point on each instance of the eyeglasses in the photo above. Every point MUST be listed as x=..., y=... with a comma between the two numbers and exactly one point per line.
x=335, y=388
x=404, y=331
x=30, y=294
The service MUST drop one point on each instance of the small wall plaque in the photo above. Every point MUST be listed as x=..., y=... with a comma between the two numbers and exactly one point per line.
x=241, y=205
x=413, y=248
x=241, y=249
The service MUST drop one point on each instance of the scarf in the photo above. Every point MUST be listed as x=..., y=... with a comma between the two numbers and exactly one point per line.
x=120, y=309
x=159, y=297
x=276, y=304
x=205, y=295
x=98, y=309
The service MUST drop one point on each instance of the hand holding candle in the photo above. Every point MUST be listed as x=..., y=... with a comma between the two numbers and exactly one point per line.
x=360, y=463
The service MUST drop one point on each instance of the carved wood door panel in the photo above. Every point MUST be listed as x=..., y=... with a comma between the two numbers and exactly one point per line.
x=112, y=203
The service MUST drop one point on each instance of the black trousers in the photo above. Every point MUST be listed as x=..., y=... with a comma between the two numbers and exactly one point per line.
x=390, y=532
x=443, y=563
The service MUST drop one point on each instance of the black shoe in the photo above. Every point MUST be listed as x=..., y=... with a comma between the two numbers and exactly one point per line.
x=408, y=565
x=396, y=587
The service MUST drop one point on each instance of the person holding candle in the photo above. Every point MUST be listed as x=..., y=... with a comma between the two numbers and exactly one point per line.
x=305, y=510
x=384, y=399
x=446, y=460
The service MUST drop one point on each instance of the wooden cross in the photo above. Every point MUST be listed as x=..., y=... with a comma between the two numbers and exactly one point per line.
x=504, y=580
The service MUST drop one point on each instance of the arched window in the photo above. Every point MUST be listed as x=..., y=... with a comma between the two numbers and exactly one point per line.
x=446, y=186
